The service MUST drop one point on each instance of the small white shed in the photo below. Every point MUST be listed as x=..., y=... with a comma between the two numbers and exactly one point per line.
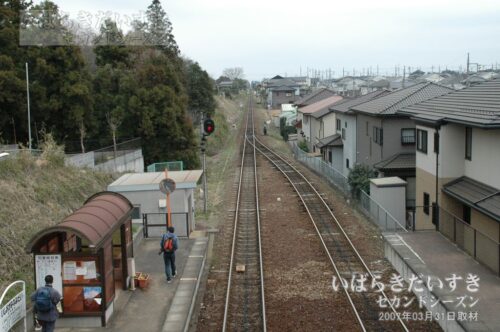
x=143, y=191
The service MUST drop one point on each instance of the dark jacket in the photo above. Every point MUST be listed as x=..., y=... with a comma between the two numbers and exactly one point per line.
x=167, y=236
x=52, y=314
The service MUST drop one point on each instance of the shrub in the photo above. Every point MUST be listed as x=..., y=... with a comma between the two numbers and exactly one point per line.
x=359, y=179
x=303, y=146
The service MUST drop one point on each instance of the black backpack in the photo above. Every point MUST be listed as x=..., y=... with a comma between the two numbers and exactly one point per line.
x=43, y=301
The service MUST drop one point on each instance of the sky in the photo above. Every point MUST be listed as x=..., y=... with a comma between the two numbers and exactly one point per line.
x=270, y=37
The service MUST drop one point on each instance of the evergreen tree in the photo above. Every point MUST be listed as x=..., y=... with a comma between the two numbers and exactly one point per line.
x=110, y=45
x=159, y=29
x=160, y=101
x=200, y=90
x=13, y=119
x=60, y=83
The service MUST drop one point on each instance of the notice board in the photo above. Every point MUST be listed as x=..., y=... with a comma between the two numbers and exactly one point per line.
x=48, y=264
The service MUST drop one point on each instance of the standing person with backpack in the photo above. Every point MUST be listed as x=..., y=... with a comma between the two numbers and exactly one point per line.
x=168, y=245
x=44, y=301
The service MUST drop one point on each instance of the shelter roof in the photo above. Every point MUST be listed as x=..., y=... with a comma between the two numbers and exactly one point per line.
x=96, y=221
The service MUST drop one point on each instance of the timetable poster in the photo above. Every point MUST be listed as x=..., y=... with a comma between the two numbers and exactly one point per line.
x=48, y=264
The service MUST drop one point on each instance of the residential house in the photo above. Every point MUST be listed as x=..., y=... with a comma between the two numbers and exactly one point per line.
x=311, y=125
x=457, y=160
x=285, y=90
x=384, y=138
x=315, y=96
x=345, y=128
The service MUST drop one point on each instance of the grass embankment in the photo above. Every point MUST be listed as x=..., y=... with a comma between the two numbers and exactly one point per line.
x=36, y=193
x=222, y=148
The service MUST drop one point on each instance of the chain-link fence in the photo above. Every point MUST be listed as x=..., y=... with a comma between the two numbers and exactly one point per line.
x=364, y=203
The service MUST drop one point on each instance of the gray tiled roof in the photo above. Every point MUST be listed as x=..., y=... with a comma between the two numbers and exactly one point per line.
x=326, y=110
x=475, y=194
x=395, y=101
x=345, y=106
x=283, y=88
x=397, y=161
x=477, y=105
x=333, y=140
x=315, y=96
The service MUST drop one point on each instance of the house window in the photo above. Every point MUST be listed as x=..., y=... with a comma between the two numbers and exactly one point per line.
x=136, y=212
x=466, y=213
x=338, y=124
x=422, y=140
x=345, y=124
x=343, y=133
x=426, y=203
x=330, y=156
x=288, y=94
x=436, y=142
x=367, y=126
x=347, y=163
x=468, y=143
x=408, y=136
x=306, y=119
x=378, y=135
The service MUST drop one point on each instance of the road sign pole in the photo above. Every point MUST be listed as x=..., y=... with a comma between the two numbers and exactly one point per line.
x=169, y=220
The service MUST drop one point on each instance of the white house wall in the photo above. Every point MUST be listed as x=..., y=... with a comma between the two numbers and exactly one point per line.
x=349, y=148
x=485, y=162
x=427, y=162
x=452, y=154
x=329, y=124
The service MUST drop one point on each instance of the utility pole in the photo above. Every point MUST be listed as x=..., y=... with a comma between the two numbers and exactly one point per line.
x=468, y=62
x=29, y=111
x=404, y=75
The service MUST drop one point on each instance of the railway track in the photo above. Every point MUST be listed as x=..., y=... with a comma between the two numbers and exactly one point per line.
x=244, y=308
x=343, y=255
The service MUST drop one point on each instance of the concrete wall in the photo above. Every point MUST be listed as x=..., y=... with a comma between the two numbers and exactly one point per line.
x=80, y=160
x=392, y=198
x=130, y=162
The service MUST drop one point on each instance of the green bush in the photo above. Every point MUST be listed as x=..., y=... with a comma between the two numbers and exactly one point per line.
x=303, y=146
x=359, y=179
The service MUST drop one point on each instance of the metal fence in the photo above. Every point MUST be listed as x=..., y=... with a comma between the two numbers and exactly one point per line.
x=108, y=153
x=155, y=224
x=169, y=165
x=365, y=204
x=477, y=244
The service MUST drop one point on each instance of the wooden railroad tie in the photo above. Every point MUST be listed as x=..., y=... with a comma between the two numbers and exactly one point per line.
x=240, y=268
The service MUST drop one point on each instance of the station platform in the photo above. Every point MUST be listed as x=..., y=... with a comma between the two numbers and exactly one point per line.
x=161, y=306
x=430, y=254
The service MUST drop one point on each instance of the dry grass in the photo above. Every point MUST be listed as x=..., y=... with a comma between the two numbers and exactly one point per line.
x=34, y=194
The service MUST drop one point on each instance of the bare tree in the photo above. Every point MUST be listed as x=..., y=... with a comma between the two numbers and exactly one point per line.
x=83, y=133
x=114, y=119
x=233, y=73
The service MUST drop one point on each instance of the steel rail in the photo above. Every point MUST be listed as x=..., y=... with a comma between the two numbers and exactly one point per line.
x=405, y=328
x=236, y=222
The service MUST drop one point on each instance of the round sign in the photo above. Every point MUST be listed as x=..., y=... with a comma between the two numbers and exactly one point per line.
x=167, y=186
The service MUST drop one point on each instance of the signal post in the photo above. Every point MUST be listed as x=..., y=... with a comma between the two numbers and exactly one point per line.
x=208, y=129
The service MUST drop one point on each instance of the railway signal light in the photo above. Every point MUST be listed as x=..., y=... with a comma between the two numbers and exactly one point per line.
x=208, y=126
